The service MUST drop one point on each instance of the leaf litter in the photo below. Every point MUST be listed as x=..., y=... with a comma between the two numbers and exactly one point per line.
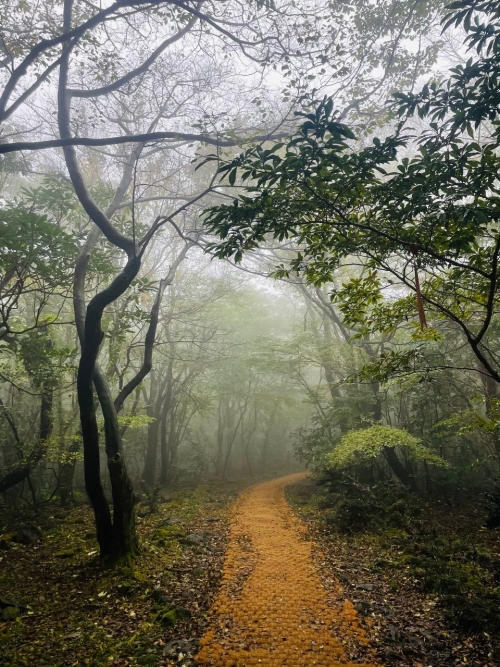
x=76, y=611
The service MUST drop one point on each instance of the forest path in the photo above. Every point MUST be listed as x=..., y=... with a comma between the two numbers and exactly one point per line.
x=272, y=609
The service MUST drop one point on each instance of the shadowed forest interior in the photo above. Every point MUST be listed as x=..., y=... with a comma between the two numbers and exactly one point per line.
x=249, y=333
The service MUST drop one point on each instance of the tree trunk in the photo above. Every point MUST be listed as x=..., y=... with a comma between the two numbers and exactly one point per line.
x=66, y=477
x=162, y=408
x=233, y=438
x=328, y=366
x=124, y=535
x=397, y=467
x=492, y=391
x=221, y=424
x=116, y=537
x=249, y=440
x=377, y=405
x=267, y=437
x=165, y=467
x=91, y=457
x=23, y=470
x=153, y=412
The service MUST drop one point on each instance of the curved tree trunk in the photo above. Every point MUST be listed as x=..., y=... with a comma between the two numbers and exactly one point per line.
x=116, y=537
x=397, y=467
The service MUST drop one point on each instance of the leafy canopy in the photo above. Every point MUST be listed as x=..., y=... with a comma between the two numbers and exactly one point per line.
x=34, y=248
x=439, y=209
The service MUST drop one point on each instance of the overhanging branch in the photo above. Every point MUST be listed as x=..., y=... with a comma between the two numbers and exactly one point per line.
x=134, y=138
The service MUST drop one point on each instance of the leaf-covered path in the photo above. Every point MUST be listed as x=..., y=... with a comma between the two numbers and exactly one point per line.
x=272, y=609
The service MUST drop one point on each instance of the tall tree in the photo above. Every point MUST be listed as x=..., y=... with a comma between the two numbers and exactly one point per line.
x=424, y=228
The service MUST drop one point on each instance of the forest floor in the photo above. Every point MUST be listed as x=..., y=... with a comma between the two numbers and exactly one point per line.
x=71, y=610
x=283, y=586
x=429, y=591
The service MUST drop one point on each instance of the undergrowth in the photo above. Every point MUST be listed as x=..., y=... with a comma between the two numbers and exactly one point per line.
x=459, y=567
x=464, y=576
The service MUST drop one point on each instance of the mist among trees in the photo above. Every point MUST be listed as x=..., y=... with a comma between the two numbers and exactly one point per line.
x=238, y=241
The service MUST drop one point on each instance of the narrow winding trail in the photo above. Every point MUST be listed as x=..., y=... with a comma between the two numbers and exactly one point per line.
x=272, y=609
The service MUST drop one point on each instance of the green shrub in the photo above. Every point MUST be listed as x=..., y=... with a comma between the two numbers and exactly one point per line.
x=380, y=508
x=362, y=446
x=352, y=515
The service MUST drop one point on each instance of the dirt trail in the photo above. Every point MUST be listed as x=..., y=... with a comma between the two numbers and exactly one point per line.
x=272, y=609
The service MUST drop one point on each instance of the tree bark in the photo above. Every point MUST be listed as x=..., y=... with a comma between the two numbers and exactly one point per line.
x=115, y=537
x=267, y=437
x=164, y=447
x=492, y=394
x=167, y=440
x=230, y=444
x=153, y=412
x=398, y=468
x=221, y=425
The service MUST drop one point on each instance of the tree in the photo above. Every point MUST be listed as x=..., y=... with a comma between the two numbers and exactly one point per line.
x=37, y=262
x=118, y=94
x=430, y=218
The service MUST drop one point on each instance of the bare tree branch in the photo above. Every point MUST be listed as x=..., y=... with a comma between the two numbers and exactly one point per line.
x=104, y=90
x=135, y=138
x=147, y=363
